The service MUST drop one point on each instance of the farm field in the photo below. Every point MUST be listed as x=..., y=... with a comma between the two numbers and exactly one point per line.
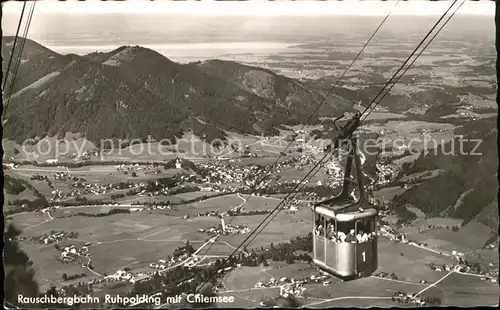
x=457, y=290
x=26, y=194
x=466, y=239
x=120, y=217
x=372, y=290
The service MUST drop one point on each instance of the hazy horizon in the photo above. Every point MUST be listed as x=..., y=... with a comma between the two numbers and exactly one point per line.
x=258, y=7
x=195, y=36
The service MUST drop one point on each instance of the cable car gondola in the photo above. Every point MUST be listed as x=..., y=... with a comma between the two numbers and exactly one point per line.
x=344, y=229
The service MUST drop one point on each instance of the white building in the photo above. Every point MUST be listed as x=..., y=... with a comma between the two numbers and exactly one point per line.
x=178, y=164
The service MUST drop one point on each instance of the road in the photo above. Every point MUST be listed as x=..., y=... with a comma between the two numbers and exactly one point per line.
x=435, y=283
x=175, y=266
x=50, y=219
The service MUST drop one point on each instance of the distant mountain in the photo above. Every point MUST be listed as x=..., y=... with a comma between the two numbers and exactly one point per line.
x=133, y=92
x=297, y=99
x=426, y=91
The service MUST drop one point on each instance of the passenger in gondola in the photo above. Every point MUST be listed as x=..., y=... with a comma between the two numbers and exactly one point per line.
x=341, y=236
x=320, y=231
x=330, y=229
x=365, y=238
x=351, y=236
x=359, y=236
x=334, y=237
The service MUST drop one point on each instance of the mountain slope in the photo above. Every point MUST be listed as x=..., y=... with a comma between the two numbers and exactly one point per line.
x=134, y=92
x=95, y=100
x=468, y=177
x=285, y=93
x=210, y=98
x=36, y=61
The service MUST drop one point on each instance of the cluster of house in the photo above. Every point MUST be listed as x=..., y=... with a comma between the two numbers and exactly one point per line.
x=490, y=246
x=393, y=235
x=85, y=155
x=448, y=267
x=214, y=213
x=226, y=229
x=393, y=276
x=220, y=174
x=274, y=282
x=463, y=265
x=409, y=298
x=38, y=177
x=293, y=286
x=135, y=167
x=63, y=176
x=121, y=275
x=56, y=195
x=491, y=279
x=236, y=178
x=429, y=227
x=96, y=188
x=47, y=210
x=163, y=263
x=149, y=208
x=80, y=186
x=192, y=262
x=52, y=237
x=71, y=253
x=386, y=174
x=10, y=165
x=291, y=208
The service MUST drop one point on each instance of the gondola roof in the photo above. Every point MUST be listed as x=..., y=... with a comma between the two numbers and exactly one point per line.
x=340, y=213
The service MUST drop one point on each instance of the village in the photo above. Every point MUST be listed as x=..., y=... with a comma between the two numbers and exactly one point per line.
x=462, y=265
x=415, y=299
x=225, y=229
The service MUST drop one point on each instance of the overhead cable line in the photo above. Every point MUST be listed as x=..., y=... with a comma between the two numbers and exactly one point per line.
x=366, y=115
x=404, y=72
x=335, y=140
x=13, y=47
x=413, y=61
x=317, y=107
x=409, y=57
x=19, y=58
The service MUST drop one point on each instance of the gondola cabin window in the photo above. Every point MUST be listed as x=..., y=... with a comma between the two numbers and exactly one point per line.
x=345, y=243
x=319, y=227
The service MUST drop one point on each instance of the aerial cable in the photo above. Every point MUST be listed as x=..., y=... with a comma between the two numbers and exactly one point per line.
x=23, y=43
x=420, y=53
x=409, y=57
x=348, y=68
x=316, y=165
x=319, y=105
x=413, y=61
x=13, y=46
x=335, y=140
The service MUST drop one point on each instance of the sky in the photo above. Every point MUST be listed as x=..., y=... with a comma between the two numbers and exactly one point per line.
x=254, y=8
x=87, y=26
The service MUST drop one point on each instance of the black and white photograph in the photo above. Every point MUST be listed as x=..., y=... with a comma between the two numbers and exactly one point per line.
x=250, y=154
